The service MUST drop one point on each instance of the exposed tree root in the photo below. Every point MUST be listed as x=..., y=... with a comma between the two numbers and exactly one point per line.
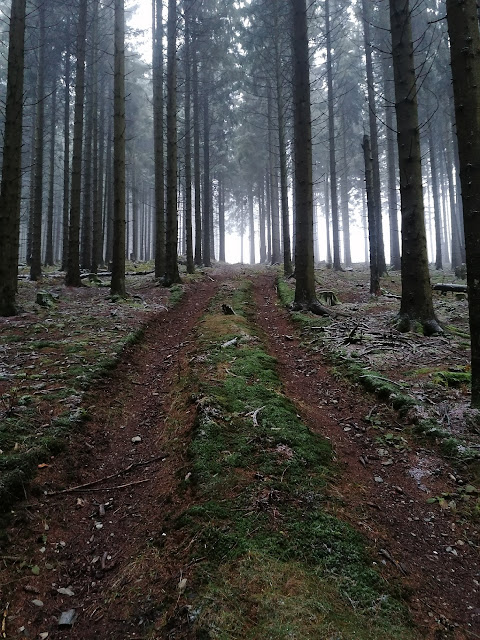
x=428, y=327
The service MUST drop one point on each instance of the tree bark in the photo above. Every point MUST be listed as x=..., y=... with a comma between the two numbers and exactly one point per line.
x=372, y=219
x=49, y=259
x=305, y=295
x=158, y=135
x=11, y=185
x=188, y=142
x=117, y=287
x=72, y=277
x=66, y=150
x=416, y=306
x=36, y=265
x=372, y=118
x=331, y=143
x=464, y=36
x=206, y=176
x=171, y=253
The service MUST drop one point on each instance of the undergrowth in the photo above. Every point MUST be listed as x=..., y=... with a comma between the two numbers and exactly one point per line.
x=41, y=405
x=392, y=393
x=274, y=562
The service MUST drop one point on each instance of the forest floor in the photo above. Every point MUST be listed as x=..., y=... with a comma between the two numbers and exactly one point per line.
x=172, y=471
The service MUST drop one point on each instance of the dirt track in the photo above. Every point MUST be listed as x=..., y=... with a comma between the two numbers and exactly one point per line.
x=97, y=542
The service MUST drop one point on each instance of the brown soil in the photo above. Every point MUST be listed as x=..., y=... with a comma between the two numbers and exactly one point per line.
x=115, y=549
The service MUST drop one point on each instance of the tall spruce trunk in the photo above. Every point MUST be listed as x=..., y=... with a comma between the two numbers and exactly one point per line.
x=273, y=173
x=72, y=277
x=395, y=259
x=372, y=120
x=221, y=219
x=416, y=306
x=372, y=221
x=436, y=199
x=251, y=226
x=36, y=264
x=282, y=152
x=66, y=149
x=196, y=156
x=158, y=136
x=304, y=266
x=347, y=256
x=206, y=176
x=49, y=257
x=11, y=184
x=464, y=36
x=188, y=140
x=117, y=287
x=261, y=212
x=331, y=143
x=172, y=274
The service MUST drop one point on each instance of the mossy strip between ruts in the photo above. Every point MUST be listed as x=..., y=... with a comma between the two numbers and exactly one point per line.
x=274, y=562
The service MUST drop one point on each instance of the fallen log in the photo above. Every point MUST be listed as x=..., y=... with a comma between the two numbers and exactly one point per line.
x=450, y=286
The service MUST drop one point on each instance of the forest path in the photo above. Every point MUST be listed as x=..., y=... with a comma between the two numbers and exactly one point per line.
x=382, y=490
x=117, y=555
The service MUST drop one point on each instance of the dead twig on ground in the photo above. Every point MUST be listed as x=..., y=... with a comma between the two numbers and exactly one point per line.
x=143, y=463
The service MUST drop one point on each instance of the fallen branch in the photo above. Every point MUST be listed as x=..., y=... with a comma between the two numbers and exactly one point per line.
x=113, y=475
x=119, y=486
x=450, y=286
x=4, y=621
x=254, y=415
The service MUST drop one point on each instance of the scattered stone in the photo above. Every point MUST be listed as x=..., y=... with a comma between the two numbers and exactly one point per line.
x=37, y=603
x=67, y=619
x=378, y=479
x=136, y=439
x=65, y=591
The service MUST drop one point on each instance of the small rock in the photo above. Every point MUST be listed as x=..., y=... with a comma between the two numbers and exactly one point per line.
x=65, y=591
x=378, y=479
x=30, y=589
x=67, y=619
x=37, y=603
x=43, y=635
x=136, y=439
x=98, y=525
x=182, y=585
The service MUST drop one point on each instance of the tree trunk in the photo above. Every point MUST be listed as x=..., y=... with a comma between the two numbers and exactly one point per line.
x=465, y=56
x=331, y=138
x=196, y=158
x=395, y=260
x=97, y=245
x=11, y=185
x=49, y=259
x=72, y=277
x=261, y=206
x=117, y=287
x=159, y=164
x=347, y=256
x=251, y=225
x=96, y=199
x=206, y=176
x=221, y=219
x=36, y=265
x=436, y=199
x=372, y=117
x=372, y=219
x=171, y=258
x=188, y=142
x=287, y=251
x=273, y=174
x=66, y=150
x=305, y=295
x=416, y=304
